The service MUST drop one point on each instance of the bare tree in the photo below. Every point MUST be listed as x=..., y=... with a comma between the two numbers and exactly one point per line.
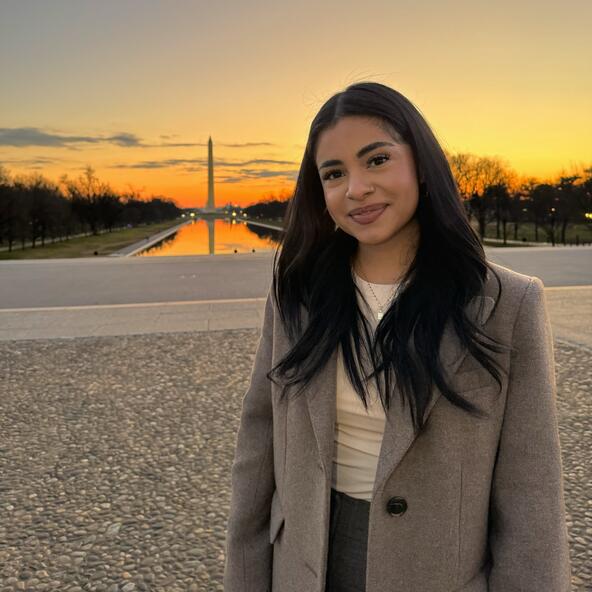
x=85, y=194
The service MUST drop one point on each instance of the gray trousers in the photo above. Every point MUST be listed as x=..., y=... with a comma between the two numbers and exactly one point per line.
x=348, y=542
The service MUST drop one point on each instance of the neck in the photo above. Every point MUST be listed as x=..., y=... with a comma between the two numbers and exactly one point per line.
x=386, y=262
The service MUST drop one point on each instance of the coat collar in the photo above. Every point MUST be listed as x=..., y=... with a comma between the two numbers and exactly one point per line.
x=398, y=432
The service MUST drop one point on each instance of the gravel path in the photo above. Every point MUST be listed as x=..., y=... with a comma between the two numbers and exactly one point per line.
x=115, y=457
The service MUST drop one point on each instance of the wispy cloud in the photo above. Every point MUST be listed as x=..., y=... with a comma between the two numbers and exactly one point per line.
x=245, y=145
x=40, y=160
x=124, y=139
x=23, y=137
x=200, y=163
x=231, y=163
x=227, y=170
x=197, y=165
x=158, y=164
x=246, y=174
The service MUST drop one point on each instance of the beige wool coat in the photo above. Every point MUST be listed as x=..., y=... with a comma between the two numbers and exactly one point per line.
x=484, y=497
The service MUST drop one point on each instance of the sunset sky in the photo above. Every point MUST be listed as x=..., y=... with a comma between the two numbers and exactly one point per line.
x=135, y=88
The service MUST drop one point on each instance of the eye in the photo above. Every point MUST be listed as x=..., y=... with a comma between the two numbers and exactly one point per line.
x=327, y=175
x=380, y=157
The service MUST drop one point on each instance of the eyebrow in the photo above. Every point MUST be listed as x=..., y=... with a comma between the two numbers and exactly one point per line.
x=359, y=154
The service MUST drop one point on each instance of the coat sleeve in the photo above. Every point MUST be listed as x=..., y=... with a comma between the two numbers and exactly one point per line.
x=527, y=530
x=248, y=560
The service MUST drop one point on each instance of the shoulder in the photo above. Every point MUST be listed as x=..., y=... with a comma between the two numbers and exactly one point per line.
x=516, y=291
x=513, y=281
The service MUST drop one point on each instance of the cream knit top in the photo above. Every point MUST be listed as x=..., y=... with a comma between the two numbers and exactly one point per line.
x=358, y=433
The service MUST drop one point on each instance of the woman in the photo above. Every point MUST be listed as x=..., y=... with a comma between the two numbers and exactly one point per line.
x=399, y=432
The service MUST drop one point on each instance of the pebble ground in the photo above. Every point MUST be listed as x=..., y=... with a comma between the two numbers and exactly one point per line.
x=115, y=455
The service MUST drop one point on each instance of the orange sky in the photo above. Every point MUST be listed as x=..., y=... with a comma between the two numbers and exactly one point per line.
x=136, y=93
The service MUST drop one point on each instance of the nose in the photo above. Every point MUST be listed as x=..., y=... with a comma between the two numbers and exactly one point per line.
x=358, y=187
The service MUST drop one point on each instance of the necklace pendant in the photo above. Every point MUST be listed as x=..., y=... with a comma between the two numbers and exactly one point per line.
x=379, y=315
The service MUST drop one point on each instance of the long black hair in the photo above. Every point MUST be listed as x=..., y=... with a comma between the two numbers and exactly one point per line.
x=311, y=269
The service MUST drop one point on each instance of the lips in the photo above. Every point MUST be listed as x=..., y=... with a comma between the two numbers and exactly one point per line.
x=372, y=208
x=369, y=215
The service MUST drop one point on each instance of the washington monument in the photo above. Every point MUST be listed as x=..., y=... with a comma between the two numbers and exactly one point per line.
x=211, y=207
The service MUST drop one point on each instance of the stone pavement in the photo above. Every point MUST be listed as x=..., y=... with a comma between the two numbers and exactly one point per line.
x=116, y=453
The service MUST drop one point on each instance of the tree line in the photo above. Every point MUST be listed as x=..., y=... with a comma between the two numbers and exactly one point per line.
x=493, y=193
x=34, y=210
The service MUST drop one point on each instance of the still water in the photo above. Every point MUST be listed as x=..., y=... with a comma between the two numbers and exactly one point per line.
x=214, y=237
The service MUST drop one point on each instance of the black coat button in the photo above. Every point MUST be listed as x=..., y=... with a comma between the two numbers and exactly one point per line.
x=396, y=506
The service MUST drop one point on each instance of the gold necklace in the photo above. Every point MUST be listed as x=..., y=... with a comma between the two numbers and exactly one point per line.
x=380, y=312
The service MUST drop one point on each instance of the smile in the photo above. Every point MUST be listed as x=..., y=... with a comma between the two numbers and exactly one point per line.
x=368, y=217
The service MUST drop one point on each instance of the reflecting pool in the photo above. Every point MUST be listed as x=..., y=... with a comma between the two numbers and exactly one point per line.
x=215, y=236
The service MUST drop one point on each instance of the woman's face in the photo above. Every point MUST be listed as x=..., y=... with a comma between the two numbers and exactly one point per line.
x=361, y=165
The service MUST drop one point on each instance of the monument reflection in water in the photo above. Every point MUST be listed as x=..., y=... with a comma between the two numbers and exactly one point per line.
x=215, y=236
x=213, y=233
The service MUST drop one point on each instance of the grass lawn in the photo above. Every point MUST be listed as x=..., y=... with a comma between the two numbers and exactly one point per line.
x=583, y=231
x=85, y=246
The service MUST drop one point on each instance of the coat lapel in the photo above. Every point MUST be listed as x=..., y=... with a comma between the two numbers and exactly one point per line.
x=398, y=433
